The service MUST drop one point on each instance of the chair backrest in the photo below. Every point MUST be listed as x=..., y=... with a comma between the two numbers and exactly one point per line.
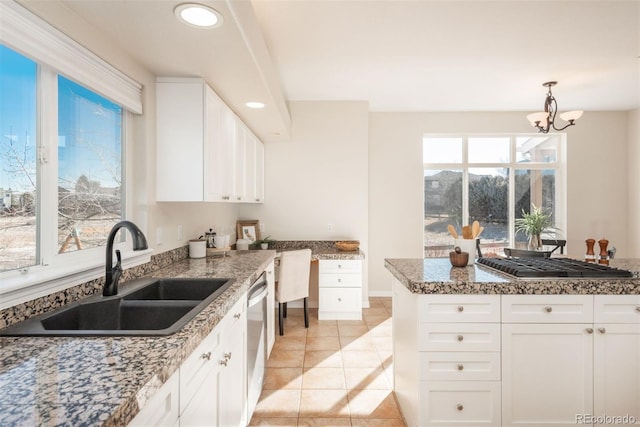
x=293, y=275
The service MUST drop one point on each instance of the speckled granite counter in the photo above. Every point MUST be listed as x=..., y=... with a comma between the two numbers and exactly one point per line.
x=320, y=249
x=104, y=381
x=437, y=276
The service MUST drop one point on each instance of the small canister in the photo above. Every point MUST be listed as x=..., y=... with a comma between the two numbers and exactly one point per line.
x=197, y=248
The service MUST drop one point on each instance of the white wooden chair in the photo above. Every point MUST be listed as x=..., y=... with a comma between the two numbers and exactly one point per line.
x=293, y=282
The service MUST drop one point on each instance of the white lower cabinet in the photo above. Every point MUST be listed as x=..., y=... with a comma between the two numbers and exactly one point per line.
x=340, y=290
x=516, y=360
x=209, y=389
x=271, y=307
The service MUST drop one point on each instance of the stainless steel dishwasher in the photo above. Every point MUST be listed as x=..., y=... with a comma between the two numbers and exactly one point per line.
x=256, y=340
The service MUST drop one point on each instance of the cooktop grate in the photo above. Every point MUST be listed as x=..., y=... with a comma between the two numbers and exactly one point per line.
x=553, y=267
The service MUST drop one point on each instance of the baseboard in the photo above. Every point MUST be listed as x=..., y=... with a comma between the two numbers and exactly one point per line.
x=381, y=294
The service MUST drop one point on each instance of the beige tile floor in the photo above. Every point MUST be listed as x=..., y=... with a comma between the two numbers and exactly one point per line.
x=335, y=373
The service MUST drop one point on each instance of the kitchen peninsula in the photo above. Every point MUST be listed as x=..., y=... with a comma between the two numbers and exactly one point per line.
x=474, y=346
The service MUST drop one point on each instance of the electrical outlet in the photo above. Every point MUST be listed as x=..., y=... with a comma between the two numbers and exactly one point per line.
x=179, y=235
x=262, y=227
x=159, y=236
x=330, y=227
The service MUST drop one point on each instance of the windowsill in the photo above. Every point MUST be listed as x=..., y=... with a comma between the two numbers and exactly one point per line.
x=37, y=282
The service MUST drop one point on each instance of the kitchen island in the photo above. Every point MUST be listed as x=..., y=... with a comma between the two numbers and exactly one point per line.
x=476, y=347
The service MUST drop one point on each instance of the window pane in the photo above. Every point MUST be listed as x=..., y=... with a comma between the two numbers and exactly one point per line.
x=537, y=187
x=489, y=205
x=17, y=160
x=442, y=206
x=489, y=150
x=537, y=149
x=89, y=170
x=442, y=150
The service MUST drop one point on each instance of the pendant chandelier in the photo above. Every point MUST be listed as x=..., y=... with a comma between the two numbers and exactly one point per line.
x=545, y=120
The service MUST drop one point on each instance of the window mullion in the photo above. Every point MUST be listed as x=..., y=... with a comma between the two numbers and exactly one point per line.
x=465, y=180
x=48, y=163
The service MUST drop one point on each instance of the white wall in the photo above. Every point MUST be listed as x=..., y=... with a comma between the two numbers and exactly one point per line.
x=596, y=181
x=633, y=161
x=320, y=177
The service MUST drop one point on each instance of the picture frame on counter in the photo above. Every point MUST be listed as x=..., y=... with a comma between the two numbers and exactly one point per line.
x=248, y=229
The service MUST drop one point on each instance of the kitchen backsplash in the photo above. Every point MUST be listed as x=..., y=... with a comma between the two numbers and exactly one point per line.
x=47, y=303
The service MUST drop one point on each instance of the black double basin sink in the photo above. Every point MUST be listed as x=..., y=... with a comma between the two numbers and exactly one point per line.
x=144, y=307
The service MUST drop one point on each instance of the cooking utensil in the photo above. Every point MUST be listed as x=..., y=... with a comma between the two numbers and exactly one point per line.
x=475, y=227
x=452, y=231
x=466, y=232
x=480, y=230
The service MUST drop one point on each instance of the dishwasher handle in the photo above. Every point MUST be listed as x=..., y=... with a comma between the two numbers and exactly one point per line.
x=257, y=292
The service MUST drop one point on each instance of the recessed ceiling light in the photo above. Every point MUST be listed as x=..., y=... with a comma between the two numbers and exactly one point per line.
x=254, y=104
x=198, y=15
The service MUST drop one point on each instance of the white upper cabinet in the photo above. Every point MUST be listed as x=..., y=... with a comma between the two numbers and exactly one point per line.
x=204, y=151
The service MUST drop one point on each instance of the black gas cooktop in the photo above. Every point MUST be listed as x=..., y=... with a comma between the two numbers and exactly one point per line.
x=552, y=267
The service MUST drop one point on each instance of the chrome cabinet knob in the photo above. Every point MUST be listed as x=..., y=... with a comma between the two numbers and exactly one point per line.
x=237, y=315
x=340, y=299
x=638, y=309
x=589, y=330
x=602, y=330
x=460, y=367
x=459, y=407
x=206, y=356
x=224, y=361
x=460, y=338
x=548, y=309
x=460, y=308
x=227, y=356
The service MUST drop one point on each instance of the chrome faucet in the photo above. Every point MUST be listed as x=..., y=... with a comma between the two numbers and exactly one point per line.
x=113, y=273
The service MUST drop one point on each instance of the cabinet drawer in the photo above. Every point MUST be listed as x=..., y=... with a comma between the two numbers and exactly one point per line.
x=547, y=309
x=194, y=370
x=459, y=403
x=340, y=299
x=460, y=366
x=617, y=309
x=339, y=266
x=459, y=308
x=459, y=337
x=340, y=280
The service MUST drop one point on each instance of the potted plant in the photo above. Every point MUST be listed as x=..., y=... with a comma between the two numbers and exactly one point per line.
x=533, y=224
x=266, y=242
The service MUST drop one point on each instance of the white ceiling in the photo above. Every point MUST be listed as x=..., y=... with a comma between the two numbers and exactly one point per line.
x=416, y=55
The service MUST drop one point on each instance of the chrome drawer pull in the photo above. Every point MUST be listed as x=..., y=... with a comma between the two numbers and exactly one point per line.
x=206, y=355
x=460, y=308
x=224, y=362
x=638, y=309
x=602, y=330
x=237, y=315
x=227, y=356
x=340, y=299
x=460, y=337
x=589, y=330
x=460, y=367
x=459, y=407
x=548, y=309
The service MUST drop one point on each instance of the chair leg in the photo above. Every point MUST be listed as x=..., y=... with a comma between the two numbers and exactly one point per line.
x=281, y=321
x=306, y=313
x=285, y=309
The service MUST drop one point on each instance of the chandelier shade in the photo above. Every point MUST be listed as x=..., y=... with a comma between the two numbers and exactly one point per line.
x=544, y=121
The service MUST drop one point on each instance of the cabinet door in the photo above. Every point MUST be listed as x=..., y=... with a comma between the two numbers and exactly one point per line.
x=162, y=409
x=547, y=373
x=259, y=178
x=215, y=150
x=239, y=161
x=233, y=375
x=204, y=408
x=617, y=372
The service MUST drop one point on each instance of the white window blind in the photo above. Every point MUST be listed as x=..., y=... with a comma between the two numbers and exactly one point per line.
x=26, y=33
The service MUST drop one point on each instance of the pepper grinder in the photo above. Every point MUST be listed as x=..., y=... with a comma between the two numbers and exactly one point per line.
x=604, y=255
x=590, y=256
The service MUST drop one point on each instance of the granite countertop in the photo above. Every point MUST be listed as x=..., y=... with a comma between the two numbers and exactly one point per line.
x=437, y=276
x=320, y=249
x=104, y=381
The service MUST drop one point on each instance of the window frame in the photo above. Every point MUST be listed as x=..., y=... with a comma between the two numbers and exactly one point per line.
x=57, y=54
x=559, y=166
